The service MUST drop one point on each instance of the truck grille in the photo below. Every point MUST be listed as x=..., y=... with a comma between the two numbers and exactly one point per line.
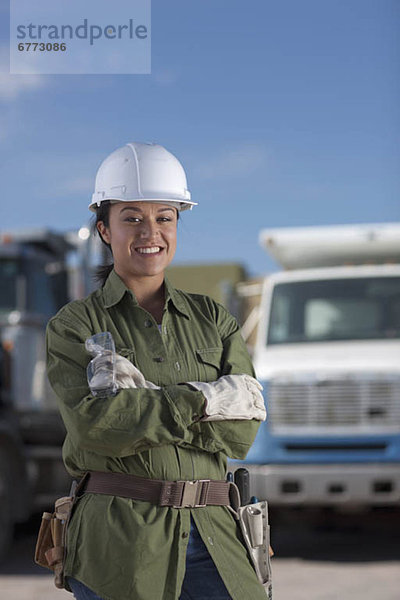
x=362, y=404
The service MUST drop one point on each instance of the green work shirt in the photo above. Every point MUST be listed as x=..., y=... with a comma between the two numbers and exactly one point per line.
x=132, y=550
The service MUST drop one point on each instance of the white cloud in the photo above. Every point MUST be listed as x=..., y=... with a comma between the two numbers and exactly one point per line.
x=51, y=176
x=235, y=161
x=12, y=122
x=13, y=86
x=64, y=175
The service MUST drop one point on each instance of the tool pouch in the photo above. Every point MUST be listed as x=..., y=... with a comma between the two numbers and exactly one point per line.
x=253, y=519
x=51, y=542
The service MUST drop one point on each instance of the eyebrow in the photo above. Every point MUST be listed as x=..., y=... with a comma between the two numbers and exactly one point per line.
x=139, y=210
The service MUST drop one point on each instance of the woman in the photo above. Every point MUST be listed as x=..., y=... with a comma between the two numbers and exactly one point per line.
x=186, y=400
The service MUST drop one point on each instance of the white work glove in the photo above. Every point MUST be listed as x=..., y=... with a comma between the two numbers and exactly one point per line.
x=129, y=376
x=232, y=397
x=126, y=374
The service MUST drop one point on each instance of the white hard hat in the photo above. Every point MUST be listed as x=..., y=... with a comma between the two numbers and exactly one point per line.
x=142, y=173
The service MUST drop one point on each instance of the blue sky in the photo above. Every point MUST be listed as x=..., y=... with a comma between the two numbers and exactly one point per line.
x=283, y=113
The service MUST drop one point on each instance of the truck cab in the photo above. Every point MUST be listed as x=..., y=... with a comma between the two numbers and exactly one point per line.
x=34, y=284
x=327, y=354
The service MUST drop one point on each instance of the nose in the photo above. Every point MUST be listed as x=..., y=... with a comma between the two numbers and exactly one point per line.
x=149, y=229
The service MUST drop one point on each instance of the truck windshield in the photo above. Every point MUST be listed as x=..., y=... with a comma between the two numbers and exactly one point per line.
x=8, y=284
x=340, y=309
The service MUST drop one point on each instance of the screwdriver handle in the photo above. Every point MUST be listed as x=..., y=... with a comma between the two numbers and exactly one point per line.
x=242, y=480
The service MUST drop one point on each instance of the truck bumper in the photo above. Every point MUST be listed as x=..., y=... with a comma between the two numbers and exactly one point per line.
x=325, y=485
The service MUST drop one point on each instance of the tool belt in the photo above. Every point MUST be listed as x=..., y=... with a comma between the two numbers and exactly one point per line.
x=50, y=545
x=254, y=524
x=176, y=494
x=50, y=549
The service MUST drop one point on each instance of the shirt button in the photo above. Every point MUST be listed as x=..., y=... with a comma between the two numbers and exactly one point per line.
x=185, y=534
x=210, y=541
x=177, y=366
x=148, y=323
x=159, y=359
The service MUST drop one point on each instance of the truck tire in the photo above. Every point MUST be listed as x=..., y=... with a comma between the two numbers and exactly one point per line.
x=6, y=505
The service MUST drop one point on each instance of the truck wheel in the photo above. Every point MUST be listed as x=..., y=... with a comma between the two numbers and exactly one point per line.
x=6, y=512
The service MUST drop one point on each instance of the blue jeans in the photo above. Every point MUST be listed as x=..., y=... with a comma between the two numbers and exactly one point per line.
x=80, y=591
x=201, y=582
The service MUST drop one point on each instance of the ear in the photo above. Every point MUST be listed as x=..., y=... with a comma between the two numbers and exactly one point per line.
x=104, y=232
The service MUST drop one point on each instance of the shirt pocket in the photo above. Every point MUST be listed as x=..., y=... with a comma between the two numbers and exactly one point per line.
x=128, y=353
x=143, y=365
x=209, y=363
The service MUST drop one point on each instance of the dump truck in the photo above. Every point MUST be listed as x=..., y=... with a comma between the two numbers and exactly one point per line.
x=327, y=352
x=37, y=277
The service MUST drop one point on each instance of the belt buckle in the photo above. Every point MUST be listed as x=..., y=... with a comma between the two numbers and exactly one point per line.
x=191, y=493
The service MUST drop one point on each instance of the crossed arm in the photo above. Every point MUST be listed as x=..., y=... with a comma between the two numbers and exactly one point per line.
x=136, y=419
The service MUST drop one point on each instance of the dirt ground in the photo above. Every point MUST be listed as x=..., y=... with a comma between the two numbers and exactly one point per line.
x=318, y=557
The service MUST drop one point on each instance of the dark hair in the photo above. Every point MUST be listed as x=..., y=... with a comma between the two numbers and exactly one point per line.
x=103, y=214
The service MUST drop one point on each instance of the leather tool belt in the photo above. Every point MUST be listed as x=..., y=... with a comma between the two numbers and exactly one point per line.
x=177, y=494
x=50, y=548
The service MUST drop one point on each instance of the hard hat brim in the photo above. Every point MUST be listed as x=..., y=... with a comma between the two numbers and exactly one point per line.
x=178, y=204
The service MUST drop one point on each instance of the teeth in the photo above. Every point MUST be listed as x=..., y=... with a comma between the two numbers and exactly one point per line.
x=152, y=250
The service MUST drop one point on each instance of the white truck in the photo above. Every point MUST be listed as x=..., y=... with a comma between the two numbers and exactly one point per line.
x=40, y=270
x=328, y=356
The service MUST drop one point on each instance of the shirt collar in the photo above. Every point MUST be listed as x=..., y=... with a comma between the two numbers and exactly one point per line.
x=173, y=295
x=114, y=290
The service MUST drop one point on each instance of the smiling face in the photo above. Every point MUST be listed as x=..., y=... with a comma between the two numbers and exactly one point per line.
x=142, y=236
